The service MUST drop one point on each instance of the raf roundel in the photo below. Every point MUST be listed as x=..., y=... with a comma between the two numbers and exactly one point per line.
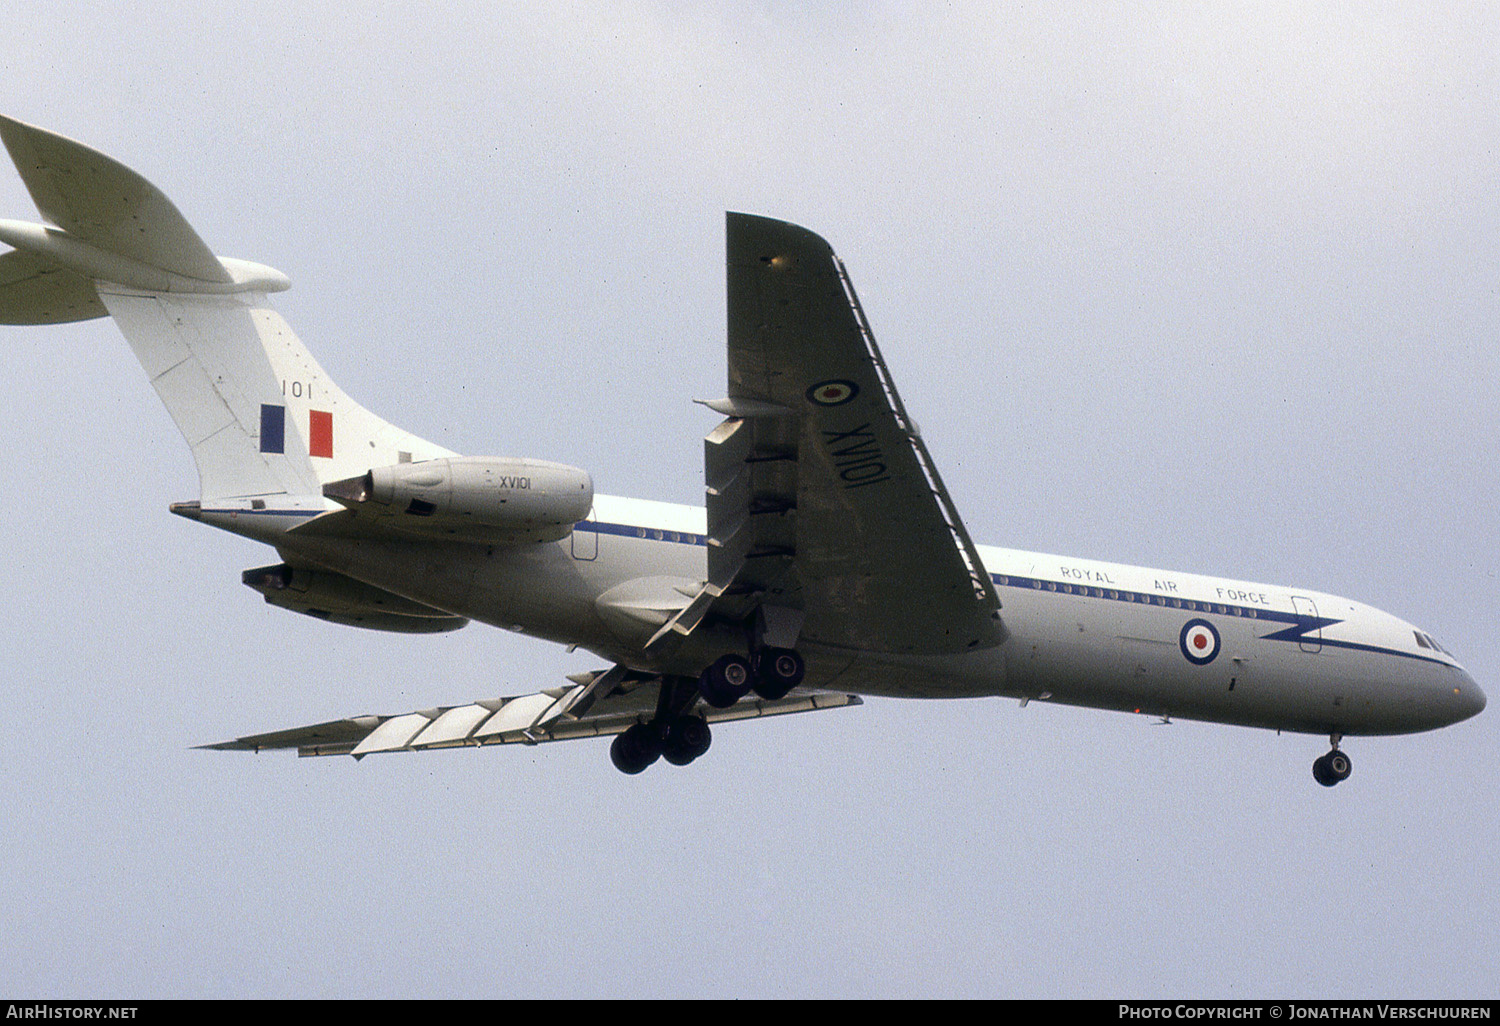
x=1200, y=641
x=832, y=393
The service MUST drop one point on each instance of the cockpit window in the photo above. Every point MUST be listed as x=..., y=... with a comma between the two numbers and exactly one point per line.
x=1428, y=641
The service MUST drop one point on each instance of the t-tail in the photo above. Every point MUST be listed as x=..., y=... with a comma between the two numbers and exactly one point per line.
x=265, y=424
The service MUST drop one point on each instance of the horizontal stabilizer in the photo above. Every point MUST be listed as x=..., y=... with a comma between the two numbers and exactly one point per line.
x=34, y=290
x=98, y=200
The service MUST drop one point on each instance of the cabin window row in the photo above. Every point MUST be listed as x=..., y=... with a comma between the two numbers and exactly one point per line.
x=671, y=536
x=1128, y=596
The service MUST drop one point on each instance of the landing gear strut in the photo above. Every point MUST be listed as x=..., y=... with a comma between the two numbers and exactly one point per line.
x=1334, y=766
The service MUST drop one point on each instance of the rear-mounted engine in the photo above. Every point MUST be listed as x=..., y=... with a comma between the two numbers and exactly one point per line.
x=339, y=599
x=472, y=498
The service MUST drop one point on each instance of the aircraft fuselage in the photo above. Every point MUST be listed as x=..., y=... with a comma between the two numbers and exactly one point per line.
x=1079, y=632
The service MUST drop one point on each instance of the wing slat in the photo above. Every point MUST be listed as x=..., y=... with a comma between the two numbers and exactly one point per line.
x=393, y=733
x=452, y=726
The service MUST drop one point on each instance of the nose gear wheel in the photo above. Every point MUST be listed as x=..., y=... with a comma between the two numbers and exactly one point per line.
x=1334, y=767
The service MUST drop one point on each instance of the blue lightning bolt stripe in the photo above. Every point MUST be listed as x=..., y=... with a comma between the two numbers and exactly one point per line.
x=1303, y=624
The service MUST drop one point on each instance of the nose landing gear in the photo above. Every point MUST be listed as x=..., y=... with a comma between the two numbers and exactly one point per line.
x=1333, y=767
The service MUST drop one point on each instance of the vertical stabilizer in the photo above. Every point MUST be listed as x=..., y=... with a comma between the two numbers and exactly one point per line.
x=258, y=412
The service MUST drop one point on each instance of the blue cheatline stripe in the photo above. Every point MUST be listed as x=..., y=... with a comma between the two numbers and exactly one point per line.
x=272, y=428
x=1302, y=624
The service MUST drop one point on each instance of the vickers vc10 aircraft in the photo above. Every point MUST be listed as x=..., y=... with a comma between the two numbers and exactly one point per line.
x=827, y=563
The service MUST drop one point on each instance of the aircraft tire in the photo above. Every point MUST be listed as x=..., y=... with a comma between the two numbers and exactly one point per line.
x=1321, y=773
x=1332, y=768
x=726, y=682
x=687, y=738
x=635, y=749
x=777, y=671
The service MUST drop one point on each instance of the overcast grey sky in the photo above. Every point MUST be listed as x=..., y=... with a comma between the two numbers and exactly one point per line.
x=1210, y=288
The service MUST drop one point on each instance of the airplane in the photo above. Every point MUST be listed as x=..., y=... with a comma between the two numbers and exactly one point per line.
x=827, y=564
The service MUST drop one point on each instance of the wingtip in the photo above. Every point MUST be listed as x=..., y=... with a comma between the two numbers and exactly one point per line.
x=759, y=232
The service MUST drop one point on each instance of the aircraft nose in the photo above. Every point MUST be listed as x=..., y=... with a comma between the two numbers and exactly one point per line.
x=1469, y=698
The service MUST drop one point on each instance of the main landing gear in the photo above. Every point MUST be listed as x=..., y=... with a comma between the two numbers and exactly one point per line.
x=680, y=740
x=1334, y=766
x=679, y=736
x=771, y=673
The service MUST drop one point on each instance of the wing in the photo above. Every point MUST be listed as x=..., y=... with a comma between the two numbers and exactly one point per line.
x=596, y=705
x=824, y=507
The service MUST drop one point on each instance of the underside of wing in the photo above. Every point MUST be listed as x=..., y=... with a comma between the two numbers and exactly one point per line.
x=595, y=705
x=823, y=502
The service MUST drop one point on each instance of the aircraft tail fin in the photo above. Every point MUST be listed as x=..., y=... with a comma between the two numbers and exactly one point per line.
x=258, y=412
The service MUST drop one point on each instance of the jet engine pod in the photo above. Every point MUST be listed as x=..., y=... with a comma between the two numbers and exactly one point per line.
x=339, y=599
x=475, y=498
